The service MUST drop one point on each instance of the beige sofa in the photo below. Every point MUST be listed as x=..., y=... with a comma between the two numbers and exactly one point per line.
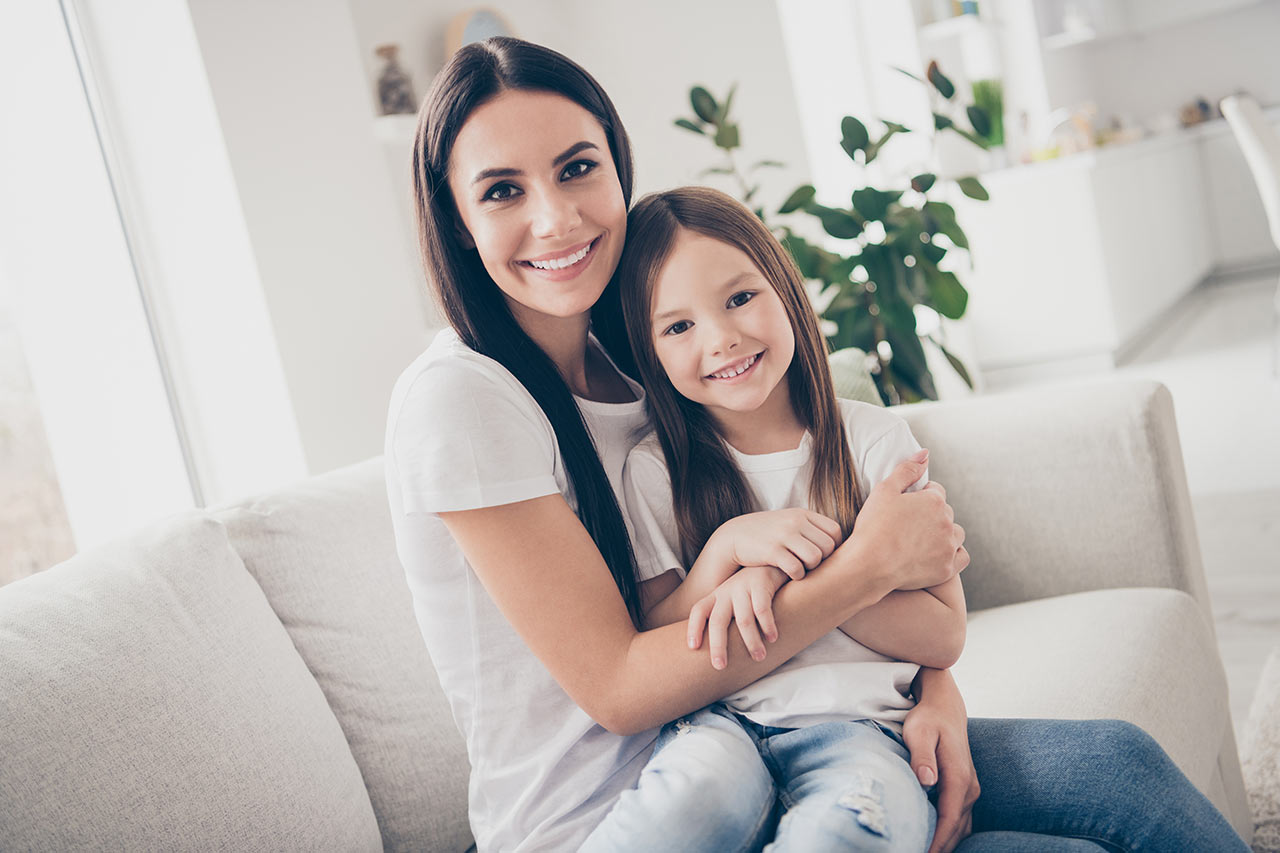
x=251, y=678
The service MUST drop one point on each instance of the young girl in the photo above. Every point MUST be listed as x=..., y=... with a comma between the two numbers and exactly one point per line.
x=753, y=475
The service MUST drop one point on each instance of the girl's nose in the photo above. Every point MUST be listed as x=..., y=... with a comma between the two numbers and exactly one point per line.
x=724, y=338
x=555, y=214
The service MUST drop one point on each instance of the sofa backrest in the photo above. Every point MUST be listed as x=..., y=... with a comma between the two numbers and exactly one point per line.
x=324, y=554
x=150, y=700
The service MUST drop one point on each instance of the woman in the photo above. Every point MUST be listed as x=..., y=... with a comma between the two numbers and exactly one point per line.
x=505, y=445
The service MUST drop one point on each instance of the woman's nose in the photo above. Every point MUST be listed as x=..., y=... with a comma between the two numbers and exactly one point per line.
x=555, y=214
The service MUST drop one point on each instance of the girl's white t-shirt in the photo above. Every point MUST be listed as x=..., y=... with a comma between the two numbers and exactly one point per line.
x=836, y=678
x=463, y=433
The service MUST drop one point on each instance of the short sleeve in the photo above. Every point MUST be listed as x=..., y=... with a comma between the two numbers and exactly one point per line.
x=465, y=437
x=887, y=452
x=646, y=490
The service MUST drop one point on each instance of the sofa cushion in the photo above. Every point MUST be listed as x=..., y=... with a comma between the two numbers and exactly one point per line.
x=324, y=553
x=1142, y=655
x=149, y=699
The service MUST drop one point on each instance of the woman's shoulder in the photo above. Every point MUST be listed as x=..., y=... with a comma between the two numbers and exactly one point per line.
x=449, y=380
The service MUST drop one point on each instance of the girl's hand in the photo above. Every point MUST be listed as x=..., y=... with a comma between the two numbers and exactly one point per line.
x=746, y=598
x=937, y=734
x=794, y=540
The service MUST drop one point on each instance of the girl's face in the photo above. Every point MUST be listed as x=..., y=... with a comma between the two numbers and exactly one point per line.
x=535, y=186
x=719, y=328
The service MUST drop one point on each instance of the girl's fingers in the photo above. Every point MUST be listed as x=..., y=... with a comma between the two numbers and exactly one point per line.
x=789, y=563
x=745, y=616
x=698, y=615
x=718, y=632
x=808, y=553
x=819, y=537
x=762, y=608
x=827, y=525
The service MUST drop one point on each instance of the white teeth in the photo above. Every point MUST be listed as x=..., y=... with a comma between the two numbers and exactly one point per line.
x=561, y=263
x=729, y=374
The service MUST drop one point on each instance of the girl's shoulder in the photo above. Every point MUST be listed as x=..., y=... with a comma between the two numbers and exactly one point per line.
x=648, y=452
x=866, y=424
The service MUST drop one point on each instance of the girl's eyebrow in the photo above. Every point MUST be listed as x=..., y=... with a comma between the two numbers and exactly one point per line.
x=729, y=284
x=561, y=159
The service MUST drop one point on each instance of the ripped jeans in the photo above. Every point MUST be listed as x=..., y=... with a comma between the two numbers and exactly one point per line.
x=717, y=781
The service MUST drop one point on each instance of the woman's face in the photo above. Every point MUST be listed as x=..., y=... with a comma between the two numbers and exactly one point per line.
x=534, y=183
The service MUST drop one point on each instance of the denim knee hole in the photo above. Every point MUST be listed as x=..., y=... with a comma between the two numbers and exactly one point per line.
x=866, y=802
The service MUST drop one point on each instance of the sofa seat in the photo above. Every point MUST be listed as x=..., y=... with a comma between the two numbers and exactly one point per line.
x=1129, y=654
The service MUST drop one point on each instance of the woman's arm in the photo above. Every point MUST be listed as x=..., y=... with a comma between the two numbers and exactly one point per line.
x=924, y=626
x=937, y=734
x=545, y=574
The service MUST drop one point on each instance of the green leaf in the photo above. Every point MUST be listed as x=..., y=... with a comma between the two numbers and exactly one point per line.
x=723, y=112
x=688, y=125
x=980, y=121
x=799, y=197
x=894, y=126
x=941, y=122
x=932, y=252
x=940, y=216
x=853, y=136
x=956, y=365
x=715, y=170
x=915, y=77
x=973, y=188
x=946, y=293
x=922, y=182
x=871, y=203
x=704, y=106
x=805, y=256
x=945, y=87
x=727, y=136
x=972, y=137
x=767, y=164
x=838, y=223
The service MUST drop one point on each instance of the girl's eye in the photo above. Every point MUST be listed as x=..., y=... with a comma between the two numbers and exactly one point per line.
x=677, y=328
x=501, y=192
x=577, y=169
x=742, y=298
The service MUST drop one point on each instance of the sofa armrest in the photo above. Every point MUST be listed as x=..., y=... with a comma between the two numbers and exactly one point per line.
x=1065, y=489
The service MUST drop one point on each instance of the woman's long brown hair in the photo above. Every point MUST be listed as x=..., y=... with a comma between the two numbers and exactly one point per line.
x=707, y=487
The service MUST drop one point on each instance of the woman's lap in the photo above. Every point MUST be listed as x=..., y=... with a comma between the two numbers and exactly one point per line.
x=1103, y=780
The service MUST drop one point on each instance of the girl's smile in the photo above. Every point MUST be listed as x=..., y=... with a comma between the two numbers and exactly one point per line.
x=721, y=333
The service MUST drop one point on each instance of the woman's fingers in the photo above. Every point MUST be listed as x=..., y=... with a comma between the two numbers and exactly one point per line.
x=824, y=541
x=718, y=632
x=935, y=486
x=698, y=616
x=744, y=615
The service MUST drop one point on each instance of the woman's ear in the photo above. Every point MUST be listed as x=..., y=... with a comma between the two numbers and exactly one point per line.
x=463, y=235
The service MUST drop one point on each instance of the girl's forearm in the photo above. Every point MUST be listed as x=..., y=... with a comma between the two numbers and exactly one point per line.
x=713, y=567
x=923, y=626
x=804, y=610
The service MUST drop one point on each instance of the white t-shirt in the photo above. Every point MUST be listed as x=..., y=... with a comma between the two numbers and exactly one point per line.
x=463, y=433
x=836, y=678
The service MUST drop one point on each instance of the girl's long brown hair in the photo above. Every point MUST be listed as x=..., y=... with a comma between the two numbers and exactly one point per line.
x=707, y=487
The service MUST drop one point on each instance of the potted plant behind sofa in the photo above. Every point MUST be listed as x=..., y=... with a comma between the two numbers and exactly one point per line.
x=891, y=246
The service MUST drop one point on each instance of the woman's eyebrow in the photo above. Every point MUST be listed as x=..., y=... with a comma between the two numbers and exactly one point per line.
x=577, y=147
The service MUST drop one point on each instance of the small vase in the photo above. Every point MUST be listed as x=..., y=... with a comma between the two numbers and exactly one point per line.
x=395, y=89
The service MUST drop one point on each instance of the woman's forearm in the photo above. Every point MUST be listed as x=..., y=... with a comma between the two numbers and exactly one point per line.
x=923, y=626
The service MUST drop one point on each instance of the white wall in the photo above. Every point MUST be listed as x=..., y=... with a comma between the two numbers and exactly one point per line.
x=346, y=304
x=646, y=56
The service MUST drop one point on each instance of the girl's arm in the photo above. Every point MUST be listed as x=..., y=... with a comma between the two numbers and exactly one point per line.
x=545, y=574
x=924, y=626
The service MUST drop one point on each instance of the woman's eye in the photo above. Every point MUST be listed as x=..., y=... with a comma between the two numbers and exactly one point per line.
x=501, y=192
x=577, y=169
x=677, y=328
x=740, y=299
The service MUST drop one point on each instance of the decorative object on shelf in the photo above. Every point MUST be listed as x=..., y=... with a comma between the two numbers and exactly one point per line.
x=475, y=25
x=898, y=243
x=395, y=89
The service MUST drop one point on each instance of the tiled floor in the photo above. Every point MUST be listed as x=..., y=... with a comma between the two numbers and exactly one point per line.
x=1214, y=354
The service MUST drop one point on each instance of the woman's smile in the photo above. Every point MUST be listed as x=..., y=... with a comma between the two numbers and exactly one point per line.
x=565, y=264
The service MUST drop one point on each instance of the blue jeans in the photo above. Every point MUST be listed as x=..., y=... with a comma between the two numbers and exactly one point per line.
x=716, y=782
x=1047, y=785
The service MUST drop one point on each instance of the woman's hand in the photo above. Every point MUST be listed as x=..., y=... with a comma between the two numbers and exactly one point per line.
x=746, y=598
x=913, y=535
x=937, y=734
x=794, y=540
